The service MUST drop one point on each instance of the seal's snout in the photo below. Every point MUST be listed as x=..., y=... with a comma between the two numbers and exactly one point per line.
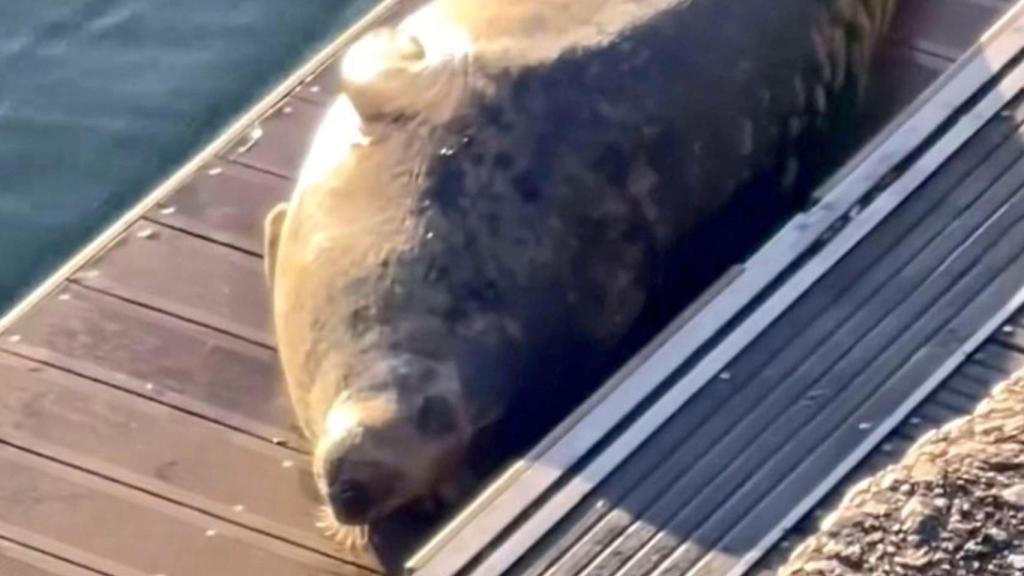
x=351, y=500
x=358, y=492
x=392, y=440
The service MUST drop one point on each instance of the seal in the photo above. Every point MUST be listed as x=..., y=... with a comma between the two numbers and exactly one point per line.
x=498, y=199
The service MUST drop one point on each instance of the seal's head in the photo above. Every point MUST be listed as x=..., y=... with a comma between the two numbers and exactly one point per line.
x=378, y=396
x=391, y=345
x=394, y=436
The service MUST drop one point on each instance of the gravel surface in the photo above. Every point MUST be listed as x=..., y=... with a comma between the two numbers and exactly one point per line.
x=953, y=505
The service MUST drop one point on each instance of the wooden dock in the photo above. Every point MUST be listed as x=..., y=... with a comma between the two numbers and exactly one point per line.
x=143, y=430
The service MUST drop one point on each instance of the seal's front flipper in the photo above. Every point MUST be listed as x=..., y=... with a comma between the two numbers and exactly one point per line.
x=271, y=236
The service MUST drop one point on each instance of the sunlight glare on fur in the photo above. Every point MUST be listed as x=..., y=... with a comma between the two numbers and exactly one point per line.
x=340, y=422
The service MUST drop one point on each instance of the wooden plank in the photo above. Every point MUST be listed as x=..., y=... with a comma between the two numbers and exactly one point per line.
x=324, y=87
x=17, y=560
x=160, y=450
x=160, y=357
x=972, y=313
x=186, y=276
x=280, y=142
x=225, y=202
x=806, y=326
x=943, y=27
x=140, y=533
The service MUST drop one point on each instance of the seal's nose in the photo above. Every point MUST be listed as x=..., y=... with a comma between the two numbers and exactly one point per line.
x=351, y=499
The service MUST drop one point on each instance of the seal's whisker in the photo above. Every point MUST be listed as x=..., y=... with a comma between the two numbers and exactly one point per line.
x=348, y=537
x=352, y=537
x=327, y=523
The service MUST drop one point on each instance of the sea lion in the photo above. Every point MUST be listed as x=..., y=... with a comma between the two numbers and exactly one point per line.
x=498, y=197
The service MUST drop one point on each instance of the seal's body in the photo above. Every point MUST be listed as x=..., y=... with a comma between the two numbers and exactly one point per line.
x=501, y=192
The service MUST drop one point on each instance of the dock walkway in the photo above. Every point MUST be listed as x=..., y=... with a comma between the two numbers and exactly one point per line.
x=143, y=430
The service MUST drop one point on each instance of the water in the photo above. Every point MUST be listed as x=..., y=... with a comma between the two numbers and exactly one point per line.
x=102, y=99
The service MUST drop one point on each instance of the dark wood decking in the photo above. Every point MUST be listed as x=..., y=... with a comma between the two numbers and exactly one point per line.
x=142, y=427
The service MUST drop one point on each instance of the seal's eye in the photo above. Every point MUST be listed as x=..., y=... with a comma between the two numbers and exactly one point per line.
x=436, y=417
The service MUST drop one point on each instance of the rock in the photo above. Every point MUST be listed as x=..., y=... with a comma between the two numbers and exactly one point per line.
x=925, y=470
x=840, y=520
x=997, y=535
x=826, y=567
x=918, y=558
x=1014, y=495
x=874, y=508
x=919, y=517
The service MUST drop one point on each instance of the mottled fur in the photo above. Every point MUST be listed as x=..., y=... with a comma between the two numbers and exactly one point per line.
x=511, y=220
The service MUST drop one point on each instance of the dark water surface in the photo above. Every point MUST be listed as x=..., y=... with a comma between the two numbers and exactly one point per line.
x=102, y=99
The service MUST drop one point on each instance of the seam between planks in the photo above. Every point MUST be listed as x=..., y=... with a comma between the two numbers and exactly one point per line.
x=114, y=489
x=199, y=235
x=63, y=552
x=152, y=307
x=34, y=550
x=178, y=406
x=158, y=493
